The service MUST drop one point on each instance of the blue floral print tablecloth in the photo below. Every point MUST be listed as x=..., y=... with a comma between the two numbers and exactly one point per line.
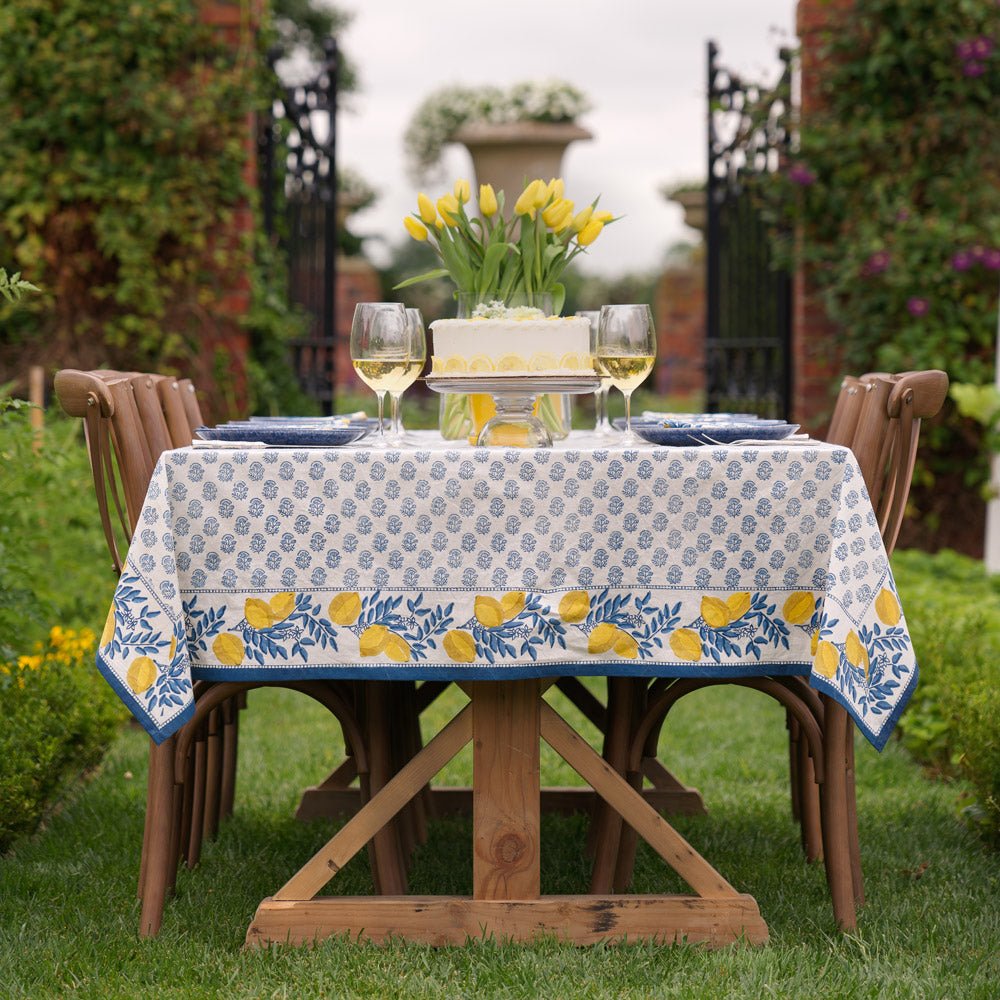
x=477, y=564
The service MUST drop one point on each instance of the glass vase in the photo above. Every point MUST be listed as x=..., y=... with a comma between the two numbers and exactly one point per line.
x=463, y=416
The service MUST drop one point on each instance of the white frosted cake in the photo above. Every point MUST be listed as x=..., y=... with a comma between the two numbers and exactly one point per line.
x=518, y=341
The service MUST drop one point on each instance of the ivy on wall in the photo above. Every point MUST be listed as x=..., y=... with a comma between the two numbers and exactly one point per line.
x=893, y=194
x=123, y=148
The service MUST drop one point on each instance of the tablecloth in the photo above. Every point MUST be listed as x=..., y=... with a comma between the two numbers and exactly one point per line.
x=443, y=562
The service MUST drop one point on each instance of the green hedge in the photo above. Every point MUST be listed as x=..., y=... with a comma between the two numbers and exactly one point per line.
x=59, y=716
x=953, y=612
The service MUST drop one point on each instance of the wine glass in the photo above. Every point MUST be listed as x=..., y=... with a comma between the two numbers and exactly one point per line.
x=380, y=350
x=602, y=426
x=418, y=355
x=626, y=347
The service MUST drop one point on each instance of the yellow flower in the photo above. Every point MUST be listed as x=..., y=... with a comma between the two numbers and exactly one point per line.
x=487, y=200
x=558, y=214
x=589, y=233
x=426, y=208
x=556, y=189
x=528, y=202
x=448, y=207
x=603, y=216
x=415, y=229
x=462, y=191
x=582, y=218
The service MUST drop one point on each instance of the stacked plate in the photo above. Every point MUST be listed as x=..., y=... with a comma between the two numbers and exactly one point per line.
x=291, y=432
x=684, y=430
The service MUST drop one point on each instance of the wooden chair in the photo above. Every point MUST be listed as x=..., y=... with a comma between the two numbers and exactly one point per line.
x=126, y=430
x=884, y=440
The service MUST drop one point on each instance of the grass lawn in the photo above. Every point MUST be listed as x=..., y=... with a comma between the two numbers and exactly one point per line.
x=931, y=928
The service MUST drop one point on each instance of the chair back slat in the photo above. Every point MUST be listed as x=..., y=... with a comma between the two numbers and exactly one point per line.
x=846, y=411
x=169, y=391
x=189, y=397
x=151, y=416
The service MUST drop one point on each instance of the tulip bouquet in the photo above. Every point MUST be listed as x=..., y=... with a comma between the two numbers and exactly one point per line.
x=493, y=258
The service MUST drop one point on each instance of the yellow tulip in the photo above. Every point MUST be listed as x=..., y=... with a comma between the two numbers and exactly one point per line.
x=448, y=206
x=556, y=215
x=603, y=216
x=462, y=192
x=582, y=218
x=589, y=233
x=415, y=229
x=426, y=208
x=555, y=188
x=487, y=200
x=528, y=202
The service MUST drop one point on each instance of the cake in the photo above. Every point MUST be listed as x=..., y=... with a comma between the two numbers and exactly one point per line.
x=516, y=341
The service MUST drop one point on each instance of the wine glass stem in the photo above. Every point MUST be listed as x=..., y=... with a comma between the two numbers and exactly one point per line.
x=601, y=407
x=628, y=412
x=381, y=409
x=394, y=396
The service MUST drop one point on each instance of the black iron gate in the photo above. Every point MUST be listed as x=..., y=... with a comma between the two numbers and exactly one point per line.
x=298, y=180
x=749, y=302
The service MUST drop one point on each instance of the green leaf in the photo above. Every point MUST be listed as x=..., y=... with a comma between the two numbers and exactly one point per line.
x=438, y=272
x=495, y=255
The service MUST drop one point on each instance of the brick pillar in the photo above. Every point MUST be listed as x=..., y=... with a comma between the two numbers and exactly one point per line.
x=221, y=366
x=679, y=311
x=357, y=281
x=816, y=358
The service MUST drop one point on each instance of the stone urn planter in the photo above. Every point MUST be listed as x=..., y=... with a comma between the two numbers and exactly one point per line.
x=508, y=154
x=695, y=208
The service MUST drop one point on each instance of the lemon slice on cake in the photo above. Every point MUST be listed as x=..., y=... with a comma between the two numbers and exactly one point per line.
x=512, y=363
x=455, y=363
x=572, y=362
x=481, y=363
x=543, y=362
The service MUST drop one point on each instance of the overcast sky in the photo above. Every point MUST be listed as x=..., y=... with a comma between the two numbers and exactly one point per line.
x=641, y=62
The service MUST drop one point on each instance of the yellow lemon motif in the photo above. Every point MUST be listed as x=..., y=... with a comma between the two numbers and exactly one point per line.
x=572, y=362
x=109, y=627
x=799, y=607
x=263, y=614
x=715, y=612
x=372, y=641
x=512, y=604
x=813, y=643
x=602, y=638
x=173, y=649
x=856, y=651
x=460, y=645
x=738, y=604
x=827, y=659
x=488, y=611
x=574, y=607
x=345, y=608
x=257, y=613
x=481, y=363
x=397, y=648
x=456, y=363
x=887, y=607
x=686, y=644
x=141, y=674
x=625, y=645
x=229, y=649
x=543, y=362
x=512, y=363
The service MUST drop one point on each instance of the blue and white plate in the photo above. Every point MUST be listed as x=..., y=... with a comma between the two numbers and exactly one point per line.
x=712, y=433
x=285, y=434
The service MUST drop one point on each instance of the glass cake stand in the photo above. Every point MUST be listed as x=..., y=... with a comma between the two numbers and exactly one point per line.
x=515, y=423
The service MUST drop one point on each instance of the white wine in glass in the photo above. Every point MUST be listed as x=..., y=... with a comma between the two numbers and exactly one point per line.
x=380, y=351
x=418, y=355
x=626, y=350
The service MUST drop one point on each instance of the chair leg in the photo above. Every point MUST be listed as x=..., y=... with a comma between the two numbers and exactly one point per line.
x=213, y=775
x=857, y=878
x=793, y=764
x=159, y=821
x=199, y=751
x=230, y=743
x=809, y=805
x=836, y=837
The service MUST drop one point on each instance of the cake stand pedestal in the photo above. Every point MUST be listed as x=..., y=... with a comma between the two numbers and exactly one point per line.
x=515, y=424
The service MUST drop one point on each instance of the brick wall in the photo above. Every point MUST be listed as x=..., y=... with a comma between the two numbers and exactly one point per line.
x=816, y=363
x=679, y=312
x=357, y=281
